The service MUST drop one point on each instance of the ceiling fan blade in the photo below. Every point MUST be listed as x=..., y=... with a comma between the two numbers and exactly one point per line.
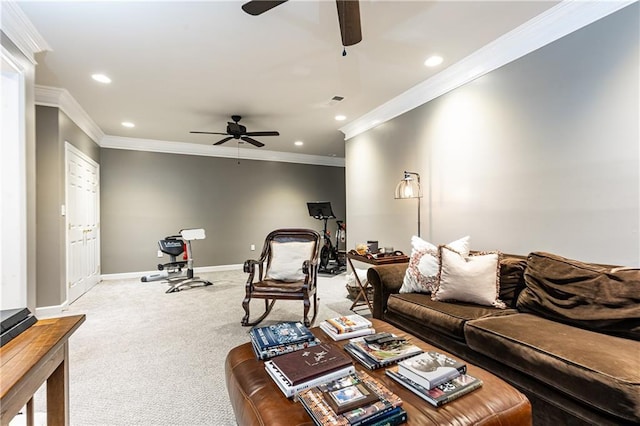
x=268, y=133
x=258, y=7
x=221, y=141
x=252, y=141
x=210, y=133
x=349, y=19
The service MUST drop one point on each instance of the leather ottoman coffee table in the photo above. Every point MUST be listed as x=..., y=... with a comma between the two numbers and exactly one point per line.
x=257, y=400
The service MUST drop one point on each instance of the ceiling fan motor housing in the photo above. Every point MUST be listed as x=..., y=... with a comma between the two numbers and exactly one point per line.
x=236, y=129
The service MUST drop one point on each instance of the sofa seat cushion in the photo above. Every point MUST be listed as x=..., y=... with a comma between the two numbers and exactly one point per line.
x=598, y=369
x=445, y=318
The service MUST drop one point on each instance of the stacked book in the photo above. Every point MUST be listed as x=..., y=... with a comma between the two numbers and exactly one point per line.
x=281, y=338
x=305, y=368
x=355, y=400
x=435, y=377
x=380, y=350
x=347, y=327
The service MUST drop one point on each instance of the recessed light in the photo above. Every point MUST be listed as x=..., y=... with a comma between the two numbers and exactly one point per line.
x=101, y=78
x=128, y=124
x=340, y=117
x=433, y=61
x=298, y=143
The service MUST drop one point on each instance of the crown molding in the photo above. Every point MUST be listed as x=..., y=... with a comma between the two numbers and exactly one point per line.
x=170, y=147
x=19, y=29
x=61, y=98
x=560, y=20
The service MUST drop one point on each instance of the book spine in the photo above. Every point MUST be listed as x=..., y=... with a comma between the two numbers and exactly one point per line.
x=392, y=420
x=361, y=358
x=382, y=413
x=309, y=412
x=408, y=386
x=330, y=331
x=285, y=349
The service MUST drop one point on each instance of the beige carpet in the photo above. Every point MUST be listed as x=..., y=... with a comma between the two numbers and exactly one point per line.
x=144, y=357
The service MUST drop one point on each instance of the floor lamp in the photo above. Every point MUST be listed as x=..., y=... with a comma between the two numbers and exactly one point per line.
x=409, y=187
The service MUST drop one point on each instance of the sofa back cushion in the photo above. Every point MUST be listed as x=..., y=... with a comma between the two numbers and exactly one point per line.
x=600, y=298
x=511, y=278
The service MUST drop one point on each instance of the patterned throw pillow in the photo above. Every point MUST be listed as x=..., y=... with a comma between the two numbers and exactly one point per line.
x=424, y=263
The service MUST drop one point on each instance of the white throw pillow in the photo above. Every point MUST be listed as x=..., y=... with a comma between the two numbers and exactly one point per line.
x=474, y=279
x=424, y=264
x=287, y=259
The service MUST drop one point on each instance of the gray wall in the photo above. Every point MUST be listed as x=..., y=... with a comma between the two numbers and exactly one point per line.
x=541, y=154
x=146, y=196
x=53, y=128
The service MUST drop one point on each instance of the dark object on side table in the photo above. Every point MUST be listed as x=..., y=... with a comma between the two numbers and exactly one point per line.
x=14, y=322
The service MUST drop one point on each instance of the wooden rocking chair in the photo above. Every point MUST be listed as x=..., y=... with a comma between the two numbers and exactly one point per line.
x=287, y=269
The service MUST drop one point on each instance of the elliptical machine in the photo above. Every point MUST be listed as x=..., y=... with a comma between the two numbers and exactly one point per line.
x=172, y=272
x=329, y=252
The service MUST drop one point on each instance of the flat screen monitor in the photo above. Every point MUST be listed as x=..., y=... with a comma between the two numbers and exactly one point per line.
x=320, y=210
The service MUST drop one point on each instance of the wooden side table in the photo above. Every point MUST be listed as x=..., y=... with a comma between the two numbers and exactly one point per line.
x=39, y=353
x=362, y=298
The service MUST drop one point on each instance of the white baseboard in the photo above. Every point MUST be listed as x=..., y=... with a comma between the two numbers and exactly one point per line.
x=203, y=269
x=51, y=311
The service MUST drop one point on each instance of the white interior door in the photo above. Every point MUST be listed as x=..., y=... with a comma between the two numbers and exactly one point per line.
x=83, y=222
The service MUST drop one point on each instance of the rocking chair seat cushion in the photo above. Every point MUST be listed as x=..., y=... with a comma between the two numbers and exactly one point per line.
x=287, y=259
x=268, y=286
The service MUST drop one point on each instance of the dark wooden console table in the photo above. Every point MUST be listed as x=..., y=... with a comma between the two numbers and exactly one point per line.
x=39, y=354
x=362, y=298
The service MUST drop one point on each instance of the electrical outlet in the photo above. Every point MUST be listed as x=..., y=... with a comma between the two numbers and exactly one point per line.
x=159, y=253
x=253, y=247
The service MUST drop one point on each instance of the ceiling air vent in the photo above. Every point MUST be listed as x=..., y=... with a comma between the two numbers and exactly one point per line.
x=335, y=100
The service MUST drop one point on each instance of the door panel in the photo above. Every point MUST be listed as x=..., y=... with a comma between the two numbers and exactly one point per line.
x=83, y=223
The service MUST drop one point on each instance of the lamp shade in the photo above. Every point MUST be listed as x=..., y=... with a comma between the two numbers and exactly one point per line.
x=408, y=188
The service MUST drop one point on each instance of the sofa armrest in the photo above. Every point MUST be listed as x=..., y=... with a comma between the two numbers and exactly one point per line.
x=385, y=280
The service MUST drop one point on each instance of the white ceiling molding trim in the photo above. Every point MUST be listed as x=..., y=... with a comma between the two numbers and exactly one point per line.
x=555, y=23
x=61, y=98
x=15, y=25
x=169, y=147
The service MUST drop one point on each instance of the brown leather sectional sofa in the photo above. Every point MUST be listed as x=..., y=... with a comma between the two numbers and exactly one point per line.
x=569, y=338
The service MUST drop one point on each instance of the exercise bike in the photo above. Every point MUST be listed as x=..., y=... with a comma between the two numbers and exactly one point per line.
x=329, y=252
x=172, y=272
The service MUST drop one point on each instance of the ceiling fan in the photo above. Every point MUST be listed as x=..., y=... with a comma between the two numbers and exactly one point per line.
x=348, y=16
x=238, y=131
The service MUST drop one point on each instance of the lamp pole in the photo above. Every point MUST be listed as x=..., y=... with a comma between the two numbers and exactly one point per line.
x=418, y=195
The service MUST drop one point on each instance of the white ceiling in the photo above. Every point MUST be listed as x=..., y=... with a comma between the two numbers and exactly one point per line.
x=180, y=66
